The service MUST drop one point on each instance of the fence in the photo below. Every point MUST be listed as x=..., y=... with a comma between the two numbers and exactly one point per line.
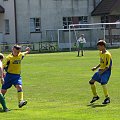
x=44, y=46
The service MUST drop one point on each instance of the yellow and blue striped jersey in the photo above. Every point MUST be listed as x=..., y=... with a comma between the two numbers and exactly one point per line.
x=105, y=60
x=13, y=63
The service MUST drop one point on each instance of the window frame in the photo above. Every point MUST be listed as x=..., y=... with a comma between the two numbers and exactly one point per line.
x=7, y=26
x=35, y=25
x=71, y=20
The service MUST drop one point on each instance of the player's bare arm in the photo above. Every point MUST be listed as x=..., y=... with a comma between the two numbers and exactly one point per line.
x=1, y=76
x=96, y=67
x=27, y=50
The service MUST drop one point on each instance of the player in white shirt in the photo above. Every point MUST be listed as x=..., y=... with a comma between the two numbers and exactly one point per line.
x=80, y=43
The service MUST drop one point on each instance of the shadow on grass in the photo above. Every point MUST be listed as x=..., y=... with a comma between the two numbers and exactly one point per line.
x=96, y=105
x=17, y=109
x=1, y=110
x=78, y=56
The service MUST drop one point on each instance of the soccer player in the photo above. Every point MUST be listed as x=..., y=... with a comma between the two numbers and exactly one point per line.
x=13, y=70
x=2, y=100
x=80, y=43
x=103, y=74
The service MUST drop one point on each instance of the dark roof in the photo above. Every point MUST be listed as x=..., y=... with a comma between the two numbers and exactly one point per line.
x=2, y=10
x=105, y=7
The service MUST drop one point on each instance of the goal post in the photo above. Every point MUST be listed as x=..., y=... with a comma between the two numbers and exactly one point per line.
x=92, y=34
x=67, y=38
x=111, y=32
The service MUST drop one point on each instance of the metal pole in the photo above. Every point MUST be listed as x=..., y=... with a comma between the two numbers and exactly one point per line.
x=16, y=39
x=69, y=38
x=58, y=39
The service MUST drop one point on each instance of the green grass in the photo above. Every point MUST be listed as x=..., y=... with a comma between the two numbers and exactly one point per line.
x=56, y=87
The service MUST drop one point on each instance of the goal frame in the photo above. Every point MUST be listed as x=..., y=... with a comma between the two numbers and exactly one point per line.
x=92, y=25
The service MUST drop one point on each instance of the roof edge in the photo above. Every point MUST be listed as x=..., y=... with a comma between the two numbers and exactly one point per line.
x=2, y=10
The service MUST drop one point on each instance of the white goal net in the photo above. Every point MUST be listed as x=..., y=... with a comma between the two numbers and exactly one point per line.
x=67, y=38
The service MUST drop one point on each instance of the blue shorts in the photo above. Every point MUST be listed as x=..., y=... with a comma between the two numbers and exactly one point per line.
x=11, y=79
x=103, y=78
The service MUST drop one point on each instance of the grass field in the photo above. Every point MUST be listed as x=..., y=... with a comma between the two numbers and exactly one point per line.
x=56, y=87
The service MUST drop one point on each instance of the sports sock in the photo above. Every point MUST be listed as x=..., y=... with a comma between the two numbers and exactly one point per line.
x=105, y=90
x=2, y=101
x=82, y=52
x=20, y=96
x=93, y=88
x=78, y=52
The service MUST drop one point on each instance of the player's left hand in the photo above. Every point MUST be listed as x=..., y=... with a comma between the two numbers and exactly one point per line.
x=27, y=49
x=101, y=72
x=2, y=81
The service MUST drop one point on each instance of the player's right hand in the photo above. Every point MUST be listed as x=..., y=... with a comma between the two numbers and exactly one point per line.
x=4, y=74
x=94, y=68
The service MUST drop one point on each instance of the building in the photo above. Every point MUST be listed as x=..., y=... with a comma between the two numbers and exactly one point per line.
x=28, y=20
x=7, y=21
x=108, y=11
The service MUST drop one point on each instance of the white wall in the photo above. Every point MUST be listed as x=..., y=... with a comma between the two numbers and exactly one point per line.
x=1, y=37
x=51, y=13
x=9, y=14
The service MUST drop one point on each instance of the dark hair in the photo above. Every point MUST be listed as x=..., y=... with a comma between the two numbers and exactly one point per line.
x=1, y=56
x=101, y=42
x=17, y=47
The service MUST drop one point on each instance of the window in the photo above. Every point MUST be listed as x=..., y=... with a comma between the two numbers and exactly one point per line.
x=83, y=19
x=66, y=22
x=104, y=19
x=7, y=27
x=74, y=20
x=35, y=24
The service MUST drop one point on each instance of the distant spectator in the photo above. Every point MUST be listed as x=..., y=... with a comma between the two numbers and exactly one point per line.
x=80, y=43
